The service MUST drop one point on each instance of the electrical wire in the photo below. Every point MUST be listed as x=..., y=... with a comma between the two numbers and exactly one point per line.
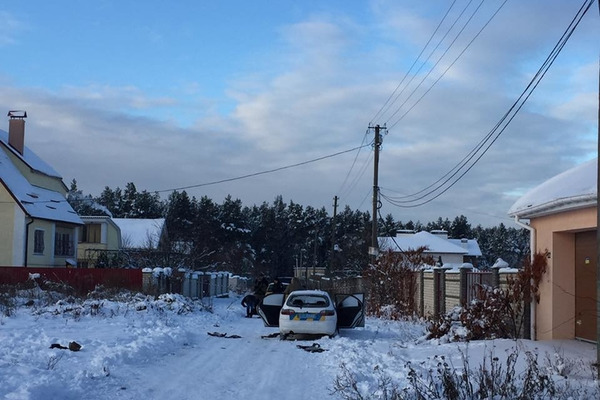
x=447, y=69
x=415, y=61
x=457, y=19
x=353, y=163
x=494, y=134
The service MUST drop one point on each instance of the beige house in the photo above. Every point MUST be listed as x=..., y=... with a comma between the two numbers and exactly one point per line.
x=38, y=227
x=99, y=234
x=561, y=214
x=103, y=236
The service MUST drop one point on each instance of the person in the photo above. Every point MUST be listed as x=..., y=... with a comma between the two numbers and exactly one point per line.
x=277, y=286
x=250, y=301
x=260, y=286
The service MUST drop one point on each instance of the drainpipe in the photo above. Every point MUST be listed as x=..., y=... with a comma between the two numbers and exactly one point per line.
x=27, y=241
x=531, y=253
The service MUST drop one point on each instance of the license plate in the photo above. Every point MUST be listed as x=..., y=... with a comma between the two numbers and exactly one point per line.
x=307, y=317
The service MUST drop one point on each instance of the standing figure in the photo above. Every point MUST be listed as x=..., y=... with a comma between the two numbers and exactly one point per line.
x=250, y=301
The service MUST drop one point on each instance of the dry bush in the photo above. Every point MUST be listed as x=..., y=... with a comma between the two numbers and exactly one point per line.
x=392, y=283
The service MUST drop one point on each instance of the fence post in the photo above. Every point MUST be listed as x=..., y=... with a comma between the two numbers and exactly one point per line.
x=463, y=285
x=496, y=277
x=436, y=292
x=422, y=293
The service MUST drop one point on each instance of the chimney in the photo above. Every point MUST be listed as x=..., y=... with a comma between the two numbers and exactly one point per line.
x=16, y=130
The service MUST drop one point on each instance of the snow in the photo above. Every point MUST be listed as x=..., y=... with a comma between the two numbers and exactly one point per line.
x=575, y=188
x=138, y=347
x=434, y=243
x=30, y=158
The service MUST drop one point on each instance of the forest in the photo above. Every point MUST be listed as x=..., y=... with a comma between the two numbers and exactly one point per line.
x=273, y=238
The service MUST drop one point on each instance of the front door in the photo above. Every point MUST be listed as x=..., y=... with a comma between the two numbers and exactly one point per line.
x=269, y=308
x=350, y=309
x=585, y=286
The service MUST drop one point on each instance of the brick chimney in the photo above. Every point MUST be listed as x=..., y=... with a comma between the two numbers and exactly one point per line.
x=16, y=130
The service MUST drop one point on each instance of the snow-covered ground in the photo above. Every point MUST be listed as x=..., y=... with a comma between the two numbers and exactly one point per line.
x=141, y=348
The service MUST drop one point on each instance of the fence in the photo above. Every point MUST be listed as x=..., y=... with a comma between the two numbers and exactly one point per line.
x=441, y=289
x=82, y=280
x=194, y=284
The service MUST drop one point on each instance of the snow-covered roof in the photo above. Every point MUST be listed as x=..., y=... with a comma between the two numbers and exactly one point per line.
x=29, y=157
x=470, y=244
x=138, y=233
x=36, y=201
x=573, y=189
x=434, y=243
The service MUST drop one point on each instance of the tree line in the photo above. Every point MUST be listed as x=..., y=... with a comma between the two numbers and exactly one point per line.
x=273, y=238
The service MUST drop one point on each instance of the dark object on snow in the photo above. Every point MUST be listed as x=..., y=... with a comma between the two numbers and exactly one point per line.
x=223, y=335
x=250, y=302
x=74, y=346
x=272, y=335
x=313, y=348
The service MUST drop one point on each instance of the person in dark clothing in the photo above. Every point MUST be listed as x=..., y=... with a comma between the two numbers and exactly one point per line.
x=277, y=286
x=250, y=301
x=260, y=286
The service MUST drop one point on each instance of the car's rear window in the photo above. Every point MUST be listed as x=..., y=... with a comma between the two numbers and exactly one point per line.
x=308, y=301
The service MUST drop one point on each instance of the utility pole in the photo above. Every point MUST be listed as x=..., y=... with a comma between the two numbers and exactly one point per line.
x=333, y=246
x=374, y=249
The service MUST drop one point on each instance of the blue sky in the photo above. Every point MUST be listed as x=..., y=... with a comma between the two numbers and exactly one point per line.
x=173, y=94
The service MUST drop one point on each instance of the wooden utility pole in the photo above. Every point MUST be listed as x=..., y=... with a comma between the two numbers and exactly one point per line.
x=374, y=249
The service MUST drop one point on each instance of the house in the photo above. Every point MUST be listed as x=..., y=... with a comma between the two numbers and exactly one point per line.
x=100, y=234
x=102, y=237
x=451, y=252
x=561, y=215
x=38, y=227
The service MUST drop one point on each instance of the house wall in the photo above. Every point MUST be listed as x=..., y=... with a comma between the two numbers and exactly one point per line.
x=109, y=240
x=448, y=258
x=11, y=240
x=46, y=258
x=555, y=314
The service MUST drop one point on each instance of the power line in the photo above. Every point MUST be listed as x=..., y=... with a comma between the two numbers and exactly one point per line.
x=415, y=61
x=353, y=163
x=262, y=172
x=495, y=133
x=449, y=66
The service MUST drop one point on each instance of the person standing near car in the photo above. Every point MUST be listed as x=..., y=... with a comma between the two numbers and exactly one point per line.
x=250, y=301
x=277, y=286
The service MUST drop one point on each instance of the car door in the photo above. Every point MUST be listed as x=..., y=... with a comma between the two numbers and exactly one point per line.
x=269, y=309
x=350, y=310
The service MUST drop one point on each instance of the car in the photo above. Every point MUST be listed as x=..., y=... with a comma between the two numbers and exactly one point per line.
x=311, y=312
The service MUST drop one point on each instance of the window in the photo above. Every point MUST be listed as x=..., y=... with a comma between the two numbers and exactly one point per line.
x=90, y=233
x=38, y=241
x=63, y=245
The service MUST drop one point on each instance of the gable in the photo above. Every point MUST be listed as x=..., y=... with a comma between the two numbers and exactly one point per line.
x=36, y=201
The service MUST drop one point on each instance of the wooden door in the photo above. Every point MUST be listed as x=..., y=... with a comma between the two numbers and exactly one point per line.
x=585, y=286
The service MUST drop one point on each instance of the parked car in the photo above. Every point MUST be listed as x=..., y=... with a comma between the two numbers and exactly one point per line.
x=311, y=312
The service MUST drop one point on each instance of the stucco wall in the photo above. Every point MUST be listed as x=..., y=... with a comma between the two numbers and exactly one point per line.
x=555, y=314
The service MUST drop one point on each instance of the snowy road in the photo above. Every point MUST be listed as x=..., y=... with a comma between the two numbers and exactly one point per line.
x=160, y=349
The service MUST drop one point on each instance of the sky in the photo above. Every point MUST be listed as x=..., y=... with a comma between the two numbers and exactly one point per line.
x=180, y=95
x=140, y=347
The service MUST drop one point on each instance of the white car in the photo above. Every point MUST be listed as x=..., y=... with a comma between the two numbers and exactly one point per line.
x=311, y=312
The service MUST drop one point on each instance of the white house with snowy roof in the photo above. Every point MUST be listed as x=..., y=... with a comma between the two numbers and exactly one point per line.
x=452, y=252
x=561, y=215
x=38, y=227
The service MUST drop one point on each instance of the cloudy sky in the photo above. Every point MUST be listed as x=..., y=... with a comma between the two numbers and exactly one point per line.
x=181, y=94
